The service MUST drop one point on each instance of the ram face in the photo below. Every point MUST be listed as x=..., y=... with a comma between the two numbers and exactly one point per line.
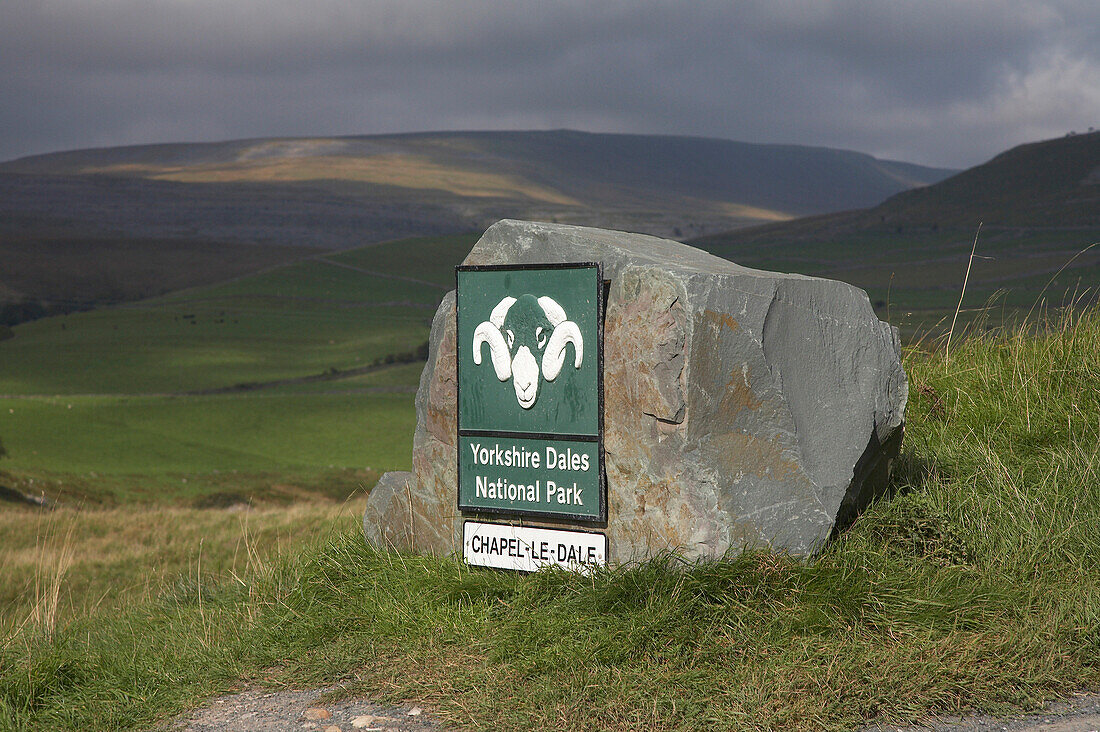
x=528, y=336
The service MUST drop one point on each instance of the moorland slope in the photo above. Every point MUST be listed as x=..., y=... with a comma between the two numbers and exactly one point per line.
x=558, y=172
x=1038, y=206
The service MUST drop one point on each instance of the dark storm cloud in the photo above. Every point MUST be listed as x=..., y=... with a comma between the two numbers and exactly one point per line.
x=937, y=82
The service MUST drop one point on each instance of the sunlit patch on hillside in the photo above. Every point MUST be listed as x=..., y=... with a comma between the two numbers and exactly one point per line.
x=742, y=210
x=903, y=178
x=292, y=149
x=392, y=169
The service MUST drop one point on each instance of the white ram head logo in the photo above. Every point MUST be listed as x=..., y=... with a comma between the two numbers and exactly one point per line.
x=516, y=331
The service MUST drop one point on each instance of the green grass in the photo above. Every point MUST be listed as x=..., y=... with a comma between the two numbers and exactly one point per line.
x=153, y=435
x=165, y=448
x=175, y=347
x=66, y=268
x=976, y=586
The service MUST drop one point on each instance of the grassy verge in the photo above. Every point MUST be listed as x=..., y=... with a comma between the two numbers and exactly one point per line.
x=67, y=564
x=976, y=585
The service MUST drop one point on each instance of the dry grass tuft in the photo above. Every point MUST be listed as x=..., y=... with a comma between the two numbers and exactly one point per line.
x=68, y=563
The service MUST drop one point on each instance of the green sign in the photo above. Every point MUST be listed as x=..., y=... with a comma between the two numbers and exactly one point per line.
x=530, y=392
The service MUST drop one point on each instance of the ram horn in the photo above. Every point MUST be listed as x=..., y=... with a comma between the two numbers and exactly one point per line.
x=500, y=312
x=554, y=312
x=554, y=356
x=489, y=333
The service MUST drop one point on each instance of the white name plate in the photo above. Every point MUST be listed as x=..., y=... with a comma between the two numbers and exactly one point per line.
x=526, y=548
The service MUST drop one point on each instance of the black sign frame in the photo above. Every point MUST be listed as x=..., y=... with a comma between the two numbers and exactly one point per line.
x=472, y=512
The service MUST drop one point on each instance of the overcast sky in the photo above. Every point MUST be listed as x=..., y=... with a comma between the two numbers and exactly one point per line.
x=929, y=81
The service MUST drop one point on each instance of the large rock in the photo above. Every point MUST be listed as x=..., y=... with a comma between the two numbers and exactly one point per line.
x=742, y=408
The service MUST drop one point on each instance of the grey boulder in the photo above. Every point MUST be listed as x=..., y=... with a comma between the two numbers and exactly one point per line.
x=743, y=409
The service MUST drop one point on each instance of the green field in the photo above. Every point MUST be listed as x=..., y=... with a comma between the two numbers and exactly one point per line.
x=102, y=404
x=166, y=448
x=175, y=347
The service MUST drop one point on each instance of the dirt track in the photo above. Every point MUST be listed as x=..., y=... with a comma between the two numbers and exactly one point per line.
x=286, y=711
x=1078, y=713
x=258, y=710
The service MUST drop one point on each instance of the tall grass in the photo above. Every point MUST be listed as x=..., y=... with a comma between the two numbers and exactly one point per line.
x=54, y=555
x=976, y=585
x=68, y=563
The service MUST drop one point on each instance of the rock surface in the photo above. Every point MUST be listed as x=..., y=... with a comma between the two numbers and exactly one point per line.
x=741, y=408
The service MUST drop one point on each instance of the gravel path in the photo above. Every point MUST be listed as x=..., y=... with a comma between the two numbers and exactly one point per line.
x=261, y=710
x=1078, y=713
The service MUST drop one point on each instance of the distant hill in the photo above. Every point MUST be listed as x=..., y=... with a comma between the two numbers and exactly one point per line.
x=1049, y=184
x=1054, y=183
x=105, y=225
x=653, y=180
x=1039, y=206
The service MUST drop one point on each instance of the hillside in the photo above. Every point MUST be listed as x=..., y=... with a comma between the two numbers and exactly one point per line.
x=1039, y=208
x=556, y=172
x=1055, y=183
x=91, y=226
